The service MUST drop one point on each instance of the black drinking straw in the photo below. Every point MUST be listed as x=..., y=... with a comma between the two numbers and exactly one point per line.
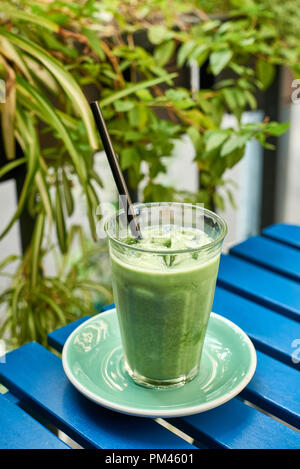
x=116, y=170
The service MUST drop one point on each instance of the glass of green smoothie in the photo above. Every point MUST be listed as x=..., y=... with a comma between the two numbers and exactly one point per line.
x=164, y=287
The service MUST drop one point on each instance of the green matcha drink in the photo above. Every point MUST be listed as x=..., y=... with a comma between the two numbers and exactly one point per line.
x=163, y=289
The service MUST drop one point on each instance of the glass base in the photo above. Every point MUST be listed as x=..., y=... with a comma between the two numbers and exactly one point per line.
x=160, y=384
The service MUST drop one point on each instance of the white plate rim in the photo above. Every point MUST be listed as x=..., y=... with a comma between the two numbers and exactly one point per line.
x=191, y=410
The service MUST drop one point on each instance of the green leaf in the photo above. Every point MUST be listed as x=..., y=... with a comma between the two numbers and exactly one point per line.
x=8, y=50
x=29, y=138
x=14, y=305
x=50, y=116
x=8, y=112
x=31, y=325
x=129, y=157
x=17, y=13
x=36, y=248
x=138, y=116
x=66, y=80
x=43, y=188
x=96, y=177
x=215, y=139
x=8, y=260
x=200, y=54
x=10, y=166
x=123, y=106
x=231, y=199
x=92, y=204
x=60, y=221
x=67, y=194
x=251, y=100
x=54, y=306
x=219, y=59
x=218, y=201
x=234, y=142
x=144, y=95
x=134, y=88
x=265, y=73
x=184, y=52
x=90, y=285
x=94, y=42
x=276, y=129
x=164, y=52
x=159, y=33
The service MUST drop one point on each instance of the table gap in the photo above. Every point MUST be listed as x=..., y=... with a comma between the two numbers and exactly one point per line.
x=254, y=406
x=175, y=430
x=68, y=440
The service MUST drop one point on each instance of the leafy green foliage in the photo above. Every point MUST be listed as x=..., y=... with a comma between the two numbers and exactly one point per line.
x=36, y=307
x=51, y=52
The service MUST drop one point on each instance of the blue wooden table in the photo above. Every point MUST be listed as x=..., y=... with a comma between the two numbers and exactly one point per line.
x=258, y=289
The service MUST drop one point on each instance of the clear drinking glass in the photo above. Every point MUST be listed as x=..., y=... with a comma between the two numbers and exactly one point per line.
x=164, y=287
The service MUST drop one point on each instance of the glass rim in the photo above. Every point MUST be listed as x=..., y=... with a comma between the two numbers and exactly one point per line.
x=218, y=218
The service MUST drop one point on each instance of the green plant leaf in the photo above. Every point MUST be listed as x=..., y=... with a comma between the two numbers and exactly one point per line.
x=65, y=79
x=60, y=221
x=251, y=100
x=31, y=325
x=90, y=285
x=123, y=106
x=54, y=306
x=44, y=193
x=129, y=157
x=219, y=59
x=36, y=248
x=265, y=73
x=234, y=142
x=14, y=304
x=9, y=51
x=94, y=42
x=218, y=201
x=16, y=13
x=67, y=193
x=50, y=116
x=29, y=138
x=184, y=52
x=96, y=177
x=215, y=138
x=8, y=111
x=159, y=33
x=164, y=52
x=92, y=205
x=134, y=88
x=276, y=129
x=10, y=166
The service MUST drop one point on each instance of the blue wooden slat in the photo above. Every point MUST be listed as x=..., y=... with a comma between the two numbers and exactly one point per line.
x=270, y=332
x=284, y=233
x=270, y=255
x=107, y=307
x=236, y=425
x=36, y=376
x=274, y=334
x=275, y=389
x=20, y=431
x=264, y=287
x=12, y=398
x=57, y=338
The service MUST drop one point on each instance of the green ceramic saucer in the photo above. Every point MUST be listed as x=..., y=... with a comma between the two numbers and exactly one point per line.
x=92, y=360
